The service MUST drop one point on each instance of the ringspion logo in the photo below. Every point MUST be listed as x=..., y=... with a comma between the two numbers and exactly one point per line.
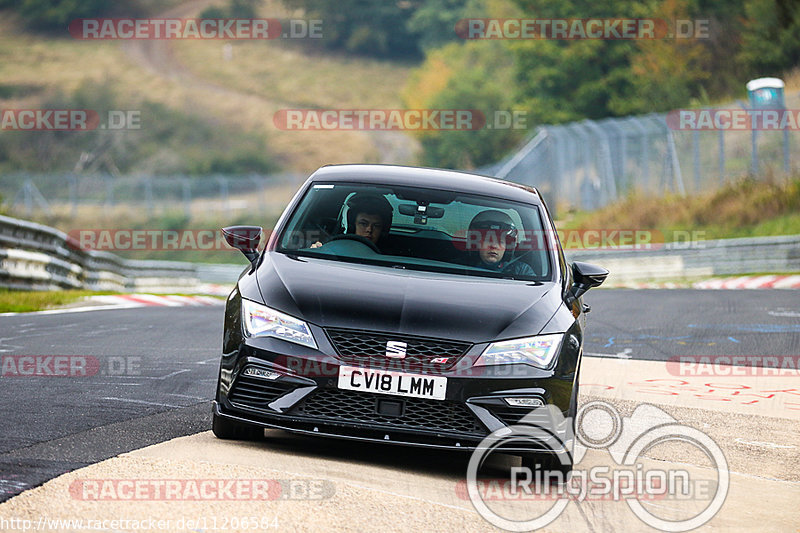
x=554, y=483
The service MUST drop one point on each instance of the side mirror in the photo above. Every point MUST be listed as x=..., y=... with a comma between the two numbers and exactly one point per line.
x=586, y=276
x=244, y=238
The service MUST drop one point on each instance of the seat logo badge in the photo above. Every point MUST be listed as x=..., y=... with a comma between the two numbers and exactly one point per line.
x=396, y=349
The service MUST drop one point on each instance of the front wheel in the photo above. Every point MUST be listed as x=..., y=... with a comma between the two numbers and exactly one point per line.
x=227, y=429
x=549, y=465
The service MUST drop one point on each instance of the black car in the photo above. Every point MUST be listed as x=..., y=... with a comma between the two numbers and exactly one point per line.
x=402, y=305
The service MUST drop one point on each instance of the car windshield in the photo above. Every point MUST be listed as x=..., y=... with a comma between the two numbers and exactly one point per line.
x=419, y=229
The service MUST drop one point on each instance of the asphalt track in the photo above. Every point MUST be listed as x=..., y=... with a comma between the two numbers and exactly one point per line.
x=153, y=374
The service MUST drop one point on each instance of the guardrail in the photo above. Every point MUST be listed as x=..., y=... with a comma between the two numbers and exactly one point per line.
x=700, y=259
x=33, y=256
x=37, y=257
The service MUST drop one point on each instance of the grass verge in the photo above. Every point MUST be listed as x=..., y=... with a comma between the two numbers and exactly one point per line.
x=745, y=208
x=13, y=301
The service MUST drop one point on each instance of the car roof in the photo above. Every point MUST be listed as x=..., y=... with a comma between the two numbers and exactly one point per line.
x=442, y=179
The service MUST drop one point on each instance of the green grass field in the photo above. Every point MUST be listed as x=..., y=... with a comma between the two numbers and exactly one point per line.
x=12, y=301
x=192, y=77
x=746, y=208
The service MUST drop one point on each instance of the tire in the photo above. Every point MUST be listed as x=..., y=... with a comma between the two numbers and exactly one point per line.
x=573, y=403
x=226, y=429
x=547, y=462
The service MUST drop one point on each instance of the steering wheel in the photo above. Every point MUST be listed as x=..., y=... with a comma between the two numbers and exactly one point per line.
x=357, y=238
x=514, y=261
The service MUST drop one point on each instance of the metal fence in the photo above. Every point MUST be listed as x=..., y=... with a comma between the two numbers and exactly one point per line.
x=589, y=164
x=69, y=194
x=580, y=165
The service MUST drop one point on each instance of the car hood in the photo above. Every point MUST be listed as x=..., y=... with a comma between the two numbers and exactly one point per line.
x=370, y=298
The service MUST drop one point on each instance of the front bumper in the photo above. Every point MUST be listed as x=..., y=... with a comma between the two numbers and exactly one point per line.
x=305, y=399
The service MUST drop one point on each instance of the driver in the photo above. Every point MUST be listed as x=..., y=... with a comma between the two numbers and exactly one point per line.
x=497, y=237
x=368, y=216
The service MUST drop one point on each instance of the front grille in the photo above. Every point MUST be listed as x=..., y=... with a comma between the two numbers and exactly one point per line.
x=336, y=405
x=254, y=392
x=369, y=349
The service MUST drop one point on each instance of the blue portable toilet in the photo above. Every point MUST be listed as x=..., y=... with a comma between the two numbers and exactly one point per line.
x=766, y=93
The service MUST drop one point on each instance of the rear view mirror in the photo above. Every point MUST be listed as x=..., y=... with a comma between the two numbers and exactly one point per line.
x=244, y=238
x=412, y=210
x=586, y=276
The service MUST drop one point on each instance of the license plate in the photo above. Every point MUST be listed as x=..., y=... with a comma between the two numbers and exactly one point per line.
x=396, y=383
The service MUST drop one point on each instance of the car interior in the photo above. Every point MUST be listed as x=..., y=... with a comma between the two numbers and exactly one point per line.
x=417, y=229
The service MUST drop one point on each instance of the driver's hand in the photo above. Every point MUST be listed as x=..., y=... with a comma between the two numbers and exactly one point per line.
x=316, y=244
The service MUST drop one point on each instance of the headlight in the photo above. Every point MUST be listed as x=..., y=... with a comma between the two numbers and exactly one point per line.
x=263, y=321
x=538, y=351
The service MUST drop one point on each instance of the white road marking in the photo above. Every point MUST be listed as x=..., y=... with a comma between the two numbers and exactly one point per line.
x=114, y=383
x=791, y=314
x=128, y=400
x=186, y=396
x=155, y=377
x=765, y=444
x=625, y=354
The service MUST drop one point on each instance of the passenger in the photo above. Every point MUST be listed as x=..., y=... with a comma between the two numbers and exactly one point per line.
x=368, y=216
x=497, y=235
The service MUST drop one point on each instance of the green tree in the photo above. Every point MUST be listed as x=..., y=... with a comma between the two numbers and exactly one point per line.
x=368, y=27
x=667, y=73
x=57, y=14
x=238, y=9
x=435, y=21
x=563, y=80
x=473, y=75
x=771, y=36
